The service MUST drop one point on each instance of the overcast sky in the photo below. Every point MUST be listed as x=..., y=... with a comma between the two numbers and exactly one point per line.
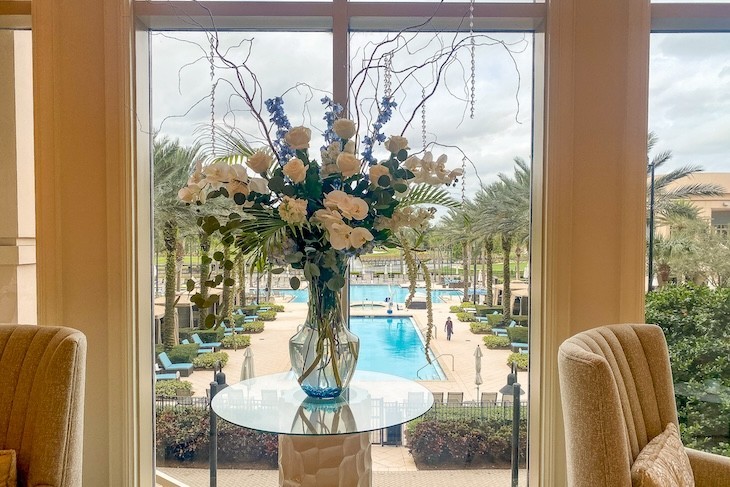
x=689, y=103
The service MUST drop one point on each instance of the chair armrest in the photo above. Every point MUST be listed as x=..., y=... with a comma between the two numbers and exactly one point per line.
x=709, y=470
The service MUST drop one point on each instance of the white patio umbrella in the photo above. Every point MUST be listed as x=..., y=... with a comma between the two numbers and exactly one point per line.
x=478, y=368
x=247, y=367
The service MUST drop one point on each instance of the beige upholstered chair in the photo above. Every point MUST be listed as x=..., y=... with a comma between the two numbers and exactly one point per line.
x=42, y=374
x=617, y=394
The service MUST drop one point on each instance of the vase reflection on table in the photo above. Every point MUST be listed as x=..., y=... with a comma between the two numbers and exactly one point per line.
x=324, y=352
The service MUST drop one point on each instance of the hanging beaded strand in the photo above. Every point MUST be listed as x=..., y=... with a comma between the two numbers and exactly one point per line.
x=472, y=99
x=423, y=117
x=212, y=96
x=463, y=180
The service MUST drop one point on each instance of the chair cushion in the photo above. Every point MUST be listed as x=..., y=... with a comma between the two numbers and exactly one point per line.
x=663, y=462
x=8, y=469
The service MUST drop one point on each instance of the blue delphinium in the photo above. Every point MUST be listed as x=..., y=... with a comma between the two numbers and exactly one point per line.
x=330, y=115
x=275, y=107
x=386, y=111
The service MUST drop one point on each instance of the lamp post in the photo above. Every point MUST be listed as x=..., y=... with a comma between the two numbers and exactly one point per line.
x=218, y=384
x=651, y=229
x=514, y=389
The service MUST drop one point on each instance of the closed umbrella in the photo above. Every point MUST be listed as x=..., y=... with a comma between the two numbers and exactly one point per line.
x=478, y=368
x=247, y=367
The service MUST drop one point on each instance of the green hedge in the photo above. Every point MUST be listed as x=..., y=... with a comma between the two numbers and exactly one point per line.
x=236, y=341
x=455, y=309
x=493, y=341
x=518, y=334
x=249, y=310
x=207, y=335
x=522, y=320
x=170, y=388
x=465, y=317
x=181, y=354
x=480, y=328
x=210, y=360
x=182, y=436
x=495, y=320
x=250, y=326
x=267, y=315
x=483, y=310
x=521, y=359
x=465, y=442
x=276, y=307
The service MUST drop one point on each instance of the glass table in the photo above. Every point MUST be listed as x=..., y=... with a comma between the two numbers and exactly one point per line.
x=323, y=443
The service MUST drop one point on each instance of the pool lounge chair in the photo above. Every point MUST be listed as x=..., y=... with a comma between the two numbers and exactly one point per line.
x=185, y=369
x=518, y=346
x=489, y=398
x=196, y=338
x=201, y=349
x=454, y=397
x=160, y=375
x=438, y=397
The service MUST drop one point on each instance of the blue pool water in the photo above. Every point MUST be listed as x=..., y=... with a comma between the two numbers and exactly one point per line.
x=393, y=346
x=361, y=293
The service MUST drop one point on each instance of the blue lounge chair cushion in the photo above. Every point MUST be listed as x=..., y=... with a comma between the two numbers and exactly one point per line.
x=201, y=349
x=248, y=319
x=200, y=342
x=185, y=369
x=167, y=376
x=501, y=332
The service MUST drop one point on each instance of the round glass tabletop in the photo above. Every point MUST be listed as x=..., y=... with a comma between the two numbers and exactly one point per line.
x=275, y=403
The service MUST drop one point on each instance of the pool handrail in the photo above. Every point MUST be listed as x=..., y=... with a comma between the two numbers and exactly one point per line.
x=418, y=372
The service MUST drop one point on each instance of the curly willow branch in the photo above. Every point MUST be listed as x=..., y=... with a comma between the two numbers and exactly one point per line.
x=429, y=310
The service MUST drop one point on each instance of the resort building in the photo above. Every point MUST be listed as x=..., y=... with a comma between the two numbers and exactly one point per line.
x=75, y=249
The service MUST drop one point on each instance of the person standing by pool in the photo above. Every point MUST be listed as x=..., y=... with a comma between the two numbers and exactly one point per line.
x=449, y=328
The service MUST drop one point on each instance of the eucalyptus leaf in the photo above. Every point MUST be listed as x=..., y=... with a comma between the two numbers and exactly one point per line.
x=402, y=155
x=229, y=282
x=218, y=255
x=190, y=285
x=209, y=321
x=294, y=282
x=277, y=270
x=384, y=181
x=228, y=265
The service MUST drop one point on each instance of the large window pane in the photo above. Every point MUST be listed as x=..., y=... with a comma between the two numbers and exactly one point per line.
x=689, y=106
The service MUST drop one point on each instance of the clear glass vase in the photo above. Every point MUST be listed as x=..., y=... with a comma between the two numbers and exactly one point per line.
x=324, y=352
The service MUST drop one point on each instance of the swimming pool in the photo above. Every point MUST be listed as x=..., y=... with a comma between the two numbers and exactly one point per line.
x=393, y=346
x=374, y=292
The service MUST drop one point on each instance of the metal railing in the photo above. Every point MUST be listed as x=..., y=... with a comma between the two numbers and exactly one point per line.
x=418, y=372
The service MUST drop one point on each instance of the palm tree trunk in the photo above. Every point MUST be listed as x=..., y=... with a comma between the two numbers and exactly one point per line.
x=268, y=284
x=465, y=269
x=518, y=252
x=204, y=275
x=489, y=247
x=241, y=279
x=507, y=276
x=179, y=260
x=227, y=311
x=169, y=234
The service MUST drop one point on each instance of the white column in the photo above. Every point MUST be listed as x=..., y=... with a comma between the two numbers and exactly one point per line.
x=589, y=201
x=17, y=204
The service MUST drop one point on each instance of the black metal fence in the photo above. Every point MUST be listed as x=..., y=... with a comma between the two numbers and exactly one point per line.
x=181, y=401
x=470, y=410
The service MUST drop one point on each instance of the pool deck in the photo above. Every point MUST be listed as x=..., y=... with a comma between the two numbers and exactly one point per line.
x=392, y=465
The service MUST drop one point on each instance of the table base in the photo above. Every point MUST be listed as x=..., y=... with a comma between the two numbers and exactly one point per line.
x=323, y=461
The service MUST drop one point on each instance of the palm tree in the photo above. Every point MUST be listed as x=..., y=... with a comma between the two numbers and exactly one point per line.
x=672, y=201
x=457, y=225
x=504, y=211
x=172, y=166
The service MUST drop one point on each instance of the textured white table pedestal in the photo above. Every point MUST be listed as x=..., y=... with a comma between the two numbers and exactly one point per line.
x=325, y=461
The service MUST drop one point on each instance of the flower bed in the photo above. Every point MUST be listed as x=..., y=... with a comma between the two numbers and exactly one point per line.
x=182, y=436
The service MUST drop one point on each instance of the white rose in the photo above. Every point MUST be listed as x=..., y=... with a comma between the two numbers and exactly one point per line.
x=259, y=162
x=376, y=171
x=350, y=207
x=216, y=174
x=258, y=185
x=359, y=236
x=344, y=128
x=295, y=170
x=298, y=137
x=349, y=147
x=293, y=210
x=396, y=143
x=349, y=164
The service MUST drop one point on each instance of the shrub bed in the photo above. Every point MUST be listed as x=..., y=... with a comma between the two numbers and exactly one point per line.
x=465, y=317
x=236, y=341
x=455, y=309
x=267, y=315
x=480, y=328
x=207, y=335
x=276, y=307
x=483, y=310
x=250, y=326
x=210, y=360
x=182, y=354
x=518, y=334
x=521, y=359
x=493, y=341
x=461, y=443
x=495, y=320
x=182, y=436
x=170, y=388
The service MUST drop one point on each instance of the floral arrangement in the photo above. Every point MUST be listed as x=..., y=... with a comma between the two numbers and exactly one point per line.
x=310, y=215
